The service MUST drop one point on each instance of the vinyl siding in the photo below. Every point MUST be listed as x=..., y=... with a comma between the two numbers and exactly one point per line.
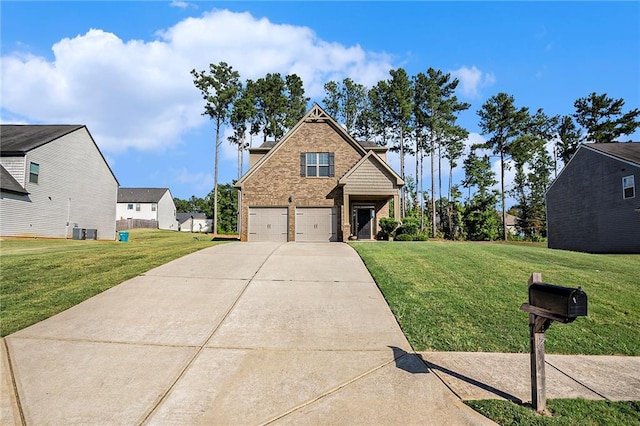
x=586, y=210
x=75, y=187
x=16, y=167
x=369, y=179
x=167, y=213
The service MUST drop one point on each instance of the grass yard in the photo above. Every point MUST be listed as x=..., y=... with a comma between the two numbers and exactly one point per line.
x=41, y=278
x=566, y=412
x=463, y=296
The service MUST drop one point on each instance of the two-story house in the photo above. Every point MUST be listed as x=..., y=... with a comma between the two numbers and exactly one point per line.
x=55, y=181
x=593, y=205
x=152, y=204
x=316, y=184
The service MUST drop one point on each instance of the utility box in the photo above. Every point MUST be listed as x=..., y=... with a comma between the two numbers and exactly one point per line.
x=79, y=234
x=563, y=302
x=91, y=234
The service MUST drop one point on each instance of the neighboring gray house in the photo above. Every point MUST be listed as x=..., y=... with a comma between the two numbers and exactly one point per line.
x=54, y=178
x=594, y=205
x=194, y=222
x=148, y=204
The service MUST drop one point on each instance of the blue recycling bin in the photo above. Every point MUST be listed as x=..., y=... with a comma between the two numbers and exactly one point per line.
x=124, y=236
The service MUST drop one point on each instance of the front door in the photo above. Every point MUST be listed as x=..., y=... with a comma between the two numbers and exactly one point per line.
x=364, y=223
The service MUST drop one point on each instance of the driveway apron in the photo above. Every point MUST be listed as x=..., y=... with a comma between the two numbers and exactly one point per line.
x=240, y=333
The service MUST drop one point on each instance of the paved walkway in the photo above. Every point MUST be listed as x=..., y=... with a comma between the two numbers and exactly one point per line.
x=239, y=333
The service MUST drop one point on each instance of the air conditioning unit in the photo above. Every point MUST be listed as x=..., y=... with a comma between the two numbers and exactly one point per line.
x=91, y=234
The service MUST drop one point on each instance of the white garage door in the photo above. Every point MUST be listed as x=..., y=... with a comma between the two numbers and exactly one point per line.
x=316, y=224
x=268, y=224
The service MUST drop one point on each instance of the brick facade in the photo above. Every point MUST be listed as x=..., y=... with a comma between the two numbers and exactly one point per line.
x=276, y=182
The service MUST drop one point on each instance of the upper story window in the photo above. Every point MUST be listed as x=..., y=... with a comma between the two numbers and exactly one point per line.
x=317, y=164
x=154, y=207
x=129, y=206
x=34, y=172
x=137, y=207
x=628, y=187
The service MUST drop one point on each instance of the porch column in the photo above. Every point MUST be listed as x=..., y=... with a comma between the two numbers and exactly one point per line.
x=396, y=207
x=346, y=217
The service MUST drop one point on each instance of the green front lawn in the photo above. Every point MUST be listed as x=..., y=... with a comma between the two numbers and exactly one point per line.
x=564, y=412
x=43, y=277
x=465, y=296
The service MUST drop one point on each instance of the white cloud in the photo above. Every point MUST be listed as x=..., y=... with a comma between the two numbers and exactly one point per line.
x=196, y=181
x=139, y=94
x=179, y=4
x=472, y=80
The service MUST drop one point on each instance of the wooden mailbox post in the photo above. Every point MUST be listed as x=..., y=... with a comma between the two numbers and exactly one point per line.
x=547, y=303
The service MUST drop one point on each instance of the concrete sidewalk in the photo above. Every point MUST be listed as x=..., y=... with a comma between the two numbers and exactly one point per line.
x=477, y=375
x=240, y=333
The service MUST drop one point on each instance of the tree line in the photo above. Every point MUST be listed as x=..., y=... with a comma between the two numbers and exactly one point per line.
x=417, y=116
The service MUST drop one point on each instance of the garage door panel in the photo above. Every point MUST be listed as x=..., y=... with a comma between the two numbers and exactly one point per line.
x=316, y=224
x=268, y=224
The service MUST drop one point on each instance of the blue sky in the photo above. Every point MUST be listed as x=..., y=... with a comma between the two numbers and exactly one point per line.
x=122, y=68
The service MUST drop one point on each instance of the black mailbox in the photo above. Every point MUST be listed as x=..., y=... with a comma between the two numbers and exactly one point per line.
x=565, y=302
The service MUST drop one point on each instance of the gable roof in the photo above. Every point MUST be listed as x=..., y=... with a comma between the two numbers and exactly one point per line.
x=18, y=139
x=629, y=151
x=315, y=114
x=140, y=195
x=183, y=217
x=371, y=156
x=9, y=184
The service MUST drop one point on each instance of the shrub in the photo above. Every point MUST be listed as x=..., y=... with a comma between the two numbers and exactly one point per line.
x=409, y=226
x=422, y=236
x=387, y=226
x=403, y=237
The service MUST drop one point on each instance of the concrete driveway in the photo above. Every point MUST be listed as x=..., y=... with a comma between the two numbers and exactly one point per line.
x=240, y=333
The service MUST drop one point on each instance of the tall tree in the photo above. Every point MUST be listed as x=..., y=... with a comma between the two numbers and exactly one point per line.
x=242, y=113
x=219, y=88
x=569, y=137
x=345, y=102
x=400, y=106
x=480, y=217
x=296, y=101
x=332, y=98
x=505, y=123
x=603, y=119
x=436, y=109
x=279, y=104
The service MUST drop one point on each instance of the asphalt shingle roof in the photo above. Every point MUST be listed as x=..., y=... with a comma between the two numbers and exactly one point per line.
x=629, y=151
x=140, y=195
x=9, y=184
x=18, y=139
x=183, y=217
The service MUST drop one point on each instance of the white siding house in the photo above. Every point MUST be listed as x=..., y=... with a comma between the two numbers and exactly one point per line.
x=194, y=222
x=54, y=178
x=148, y=204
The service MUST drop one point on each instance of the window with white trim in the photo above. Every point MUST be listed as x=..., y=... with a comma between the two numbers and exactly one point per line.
x=154, y=207
x=137, y=207
x=628, y=187
x=34, y=172
x=317, y=164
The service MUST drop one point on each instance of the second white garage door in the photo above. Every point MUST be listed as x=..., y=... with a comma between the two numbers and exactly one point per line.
x=268, y=224
x=316, y=224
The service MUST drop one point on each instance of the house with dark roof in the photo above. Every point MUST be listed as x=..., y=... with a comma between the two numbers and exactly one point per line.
x=54, y=179
x=152, y=204
x=316, y=184
x=593, y=205
x=194, y=222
